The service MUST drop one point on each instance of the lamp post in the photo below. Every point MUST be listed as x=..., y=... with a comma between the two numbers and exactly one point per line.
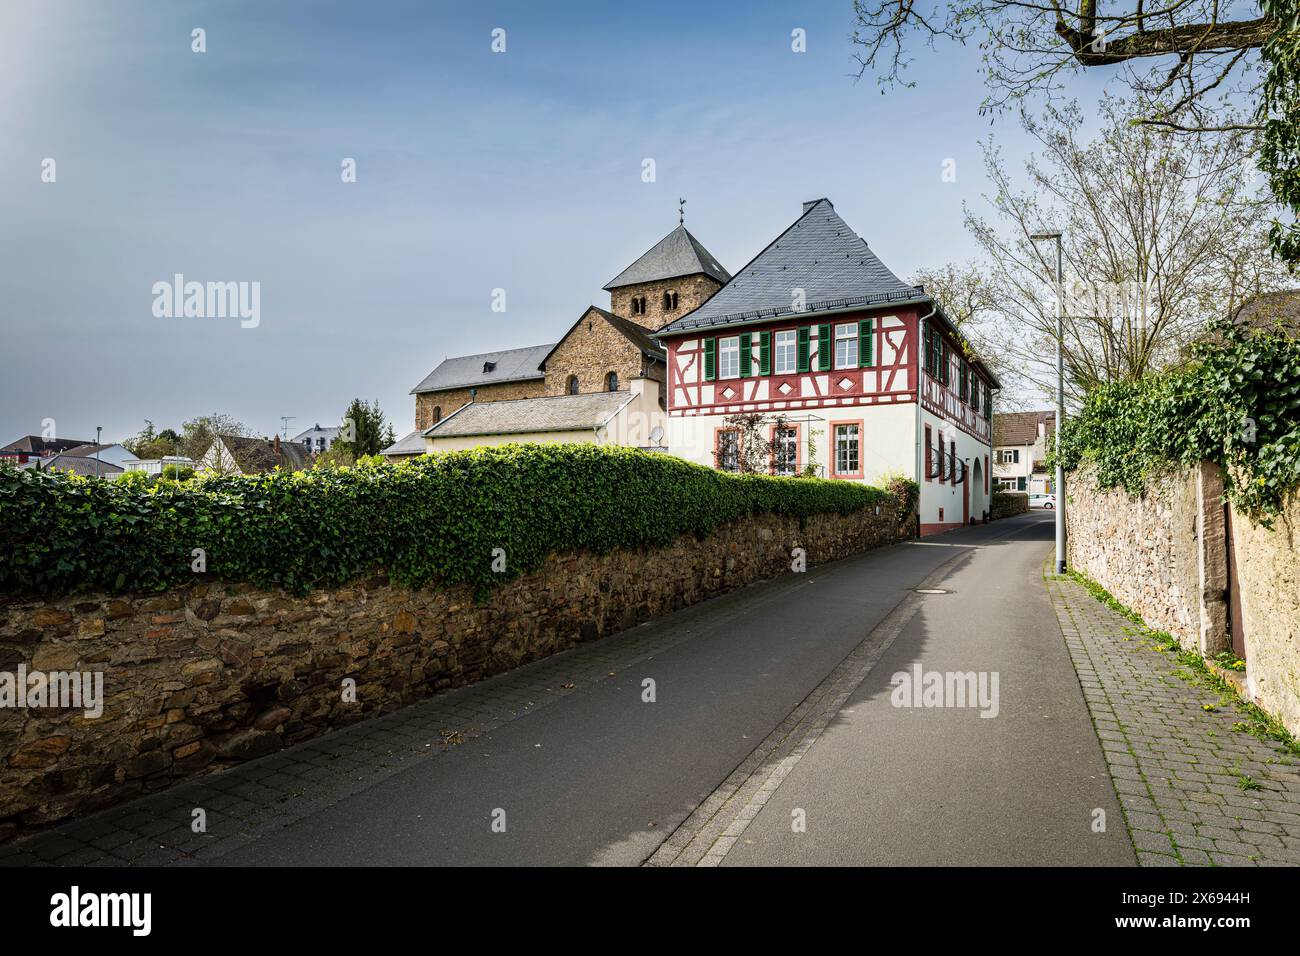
x=1060, y=398
x=99, y=430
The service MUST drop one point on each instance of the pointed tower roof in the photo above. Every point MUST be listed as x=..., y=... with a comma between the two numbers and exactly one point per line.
x=819, y=254
x=676, y=254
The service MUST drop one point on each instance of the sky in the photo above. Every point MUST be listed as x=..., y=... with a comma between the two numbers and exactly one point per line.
x=476, y=170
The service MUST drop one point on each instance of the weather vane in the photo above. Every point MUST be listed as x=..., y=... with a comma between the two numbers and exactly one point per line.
x=681, y=212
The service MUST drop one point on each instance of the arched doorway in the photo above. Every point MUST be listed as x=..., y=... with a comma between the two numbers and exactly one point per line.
x=978, y=501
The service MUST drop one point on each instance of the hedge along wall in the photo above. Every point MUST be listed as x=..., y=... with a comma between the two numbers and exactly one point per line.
x=1008, y=503
x=203, y=671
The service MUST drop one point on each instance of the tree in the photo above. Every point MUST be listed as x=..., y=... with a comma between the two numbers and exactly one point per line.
x=198, y=434
x=363, y=430
x=755, y=451
x=1161, y=235
x=1182, y=59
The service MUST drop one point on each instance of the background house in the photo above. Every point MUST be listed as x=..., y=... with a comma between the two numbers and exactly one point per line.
x=236, y=454
x=1020, y=444
x=316, y=439
x=34, y=446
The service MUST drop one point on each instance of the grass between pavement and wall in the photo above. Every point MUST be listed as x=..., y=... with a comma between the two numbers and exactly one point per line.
x=476, y=517
x=1208, y=673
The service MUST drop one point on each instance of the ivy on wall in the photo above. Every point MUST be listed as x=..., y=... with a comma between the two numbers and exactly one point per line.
x=435, y=518
x=1237, y=404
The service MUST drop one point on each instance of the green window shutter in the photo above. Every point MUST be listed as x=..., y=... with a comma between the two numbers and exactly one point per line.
x=866, y=335
x=945, y=363
x=803, y=349
x=710, y=359
x=746, y=346
x=764, y=353
x=961, y=379
x=824, y=347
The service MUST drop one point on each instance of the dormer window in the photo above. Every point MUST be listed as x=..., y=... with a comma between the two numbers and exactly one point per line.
x=489, y=367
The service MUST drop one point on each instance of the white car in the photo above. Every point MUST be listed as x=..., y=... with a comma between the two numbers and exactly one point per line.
x=1042, y=501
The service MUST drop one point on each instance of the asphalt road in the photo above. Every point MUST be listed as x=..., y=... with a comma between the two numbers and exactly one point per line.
x=602, y=777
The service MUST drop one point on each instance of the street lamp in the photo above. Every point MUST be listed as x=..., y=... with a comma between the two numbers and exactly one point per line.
x=99, y=430
x=1060, y=398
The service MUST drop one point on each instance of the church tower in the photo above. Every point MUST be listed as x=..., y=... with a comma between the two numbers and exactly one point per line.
x=676, y=276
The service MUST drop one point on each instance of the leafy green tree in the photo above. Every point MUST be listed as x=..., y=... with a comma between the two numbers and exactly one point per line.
x=198, y=434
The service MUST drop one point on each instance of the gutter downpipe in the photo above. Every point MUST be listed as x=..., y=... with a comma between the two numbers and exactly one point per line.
x=919, y=430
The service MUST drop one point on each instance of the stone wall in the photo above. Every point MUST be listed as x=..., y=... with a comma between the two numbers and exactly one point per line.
x=1143, y=550
x=1268, y=563
x=692, y=292
x=217, y=673
x=453, y=398
x=1164, y=555
x=1008, y=503
x=592, y=350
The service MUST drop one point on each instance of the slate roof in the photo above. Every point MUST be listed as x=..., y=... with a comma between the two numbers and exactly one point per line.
x=36, y=445
x=676, y=254
x=818, y=253
x=1021, y=428
x=466, y=371
x=258, y=454
x=556, y=413
x=78, y=465
x=412, y=444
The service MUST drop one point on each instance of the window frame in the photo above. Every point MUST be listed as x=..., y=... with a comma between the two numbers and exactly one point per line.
x=793, y=368
x=835, y=446
x=853, y=334
x=718, y=434
x=723, y=350
x=773, y=438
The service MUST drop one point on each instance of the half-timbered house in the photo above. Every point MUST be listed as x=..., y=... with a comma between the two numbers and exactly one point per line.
x=842, y=369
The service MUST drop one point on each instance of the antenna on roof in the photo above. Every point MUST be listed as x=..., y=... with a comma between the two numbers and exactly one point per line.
x=284, y=423
x=681, y=212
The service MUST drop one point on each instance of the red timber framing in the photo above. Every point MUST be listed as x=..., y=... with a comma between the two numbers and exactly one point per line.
x=885, y=371
x=961, y=393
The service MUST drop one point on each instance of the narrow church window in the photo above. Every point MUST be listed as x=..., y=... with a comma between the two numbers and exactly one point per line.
x=611, y=382
x=674, y=300
x=573, y=385
x=437, y=414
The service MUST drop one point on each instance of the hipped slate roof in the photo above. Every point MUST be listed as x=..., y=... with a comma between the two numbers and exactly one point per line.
x=467, y=371
x=1021, y=428
x=819, y=254
x=558, y=413
x=676, y=254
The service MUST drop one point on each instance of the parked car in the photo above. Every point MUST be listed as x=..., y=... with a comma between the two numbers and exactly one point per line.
x=1042, y=501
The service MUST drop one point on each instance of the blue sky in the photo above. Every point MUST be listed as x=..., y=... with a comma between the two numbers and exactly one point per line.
x=476, y=171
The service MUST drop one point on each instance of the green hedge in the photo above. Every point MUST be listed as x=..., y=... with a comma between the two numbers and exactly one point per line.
x=436, y=518
x=1237, y=403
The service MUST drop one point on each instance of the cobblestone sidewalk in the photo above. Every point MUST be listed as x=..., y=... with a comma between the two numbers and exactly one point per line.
x=1196, y=789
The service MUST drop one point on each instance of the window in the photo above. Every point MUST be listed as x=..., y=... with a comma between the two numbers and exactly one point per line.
x=846, y=346
x=320, y=443
x=641, y=300
x=307, y=442
x=728, y=453
x=670, y=301
x=929, y=454
x=1020, y=483
x=674, y=300
x=1015, y=456
x=786, y=450
x=729, y=357
x=611, y=382
x=437, y=414
x=572, y=386
x=952, y=453
x=786, y=345
x=848, y=454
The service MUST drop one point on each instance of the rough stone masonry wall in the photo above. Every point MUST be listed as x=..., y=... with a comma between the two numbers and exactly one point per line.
x=1140, y=549
x=1268, y=563
x=1164, y=555
x=217, y=673
x=592, y=350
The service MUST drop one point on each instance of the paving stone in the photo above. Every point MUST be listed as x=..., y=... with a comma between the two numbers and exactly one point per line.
x=1170, y=759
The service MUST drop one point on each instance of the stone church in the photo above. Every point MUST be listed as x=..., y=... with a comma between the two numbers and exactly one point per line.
x=604, y=380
